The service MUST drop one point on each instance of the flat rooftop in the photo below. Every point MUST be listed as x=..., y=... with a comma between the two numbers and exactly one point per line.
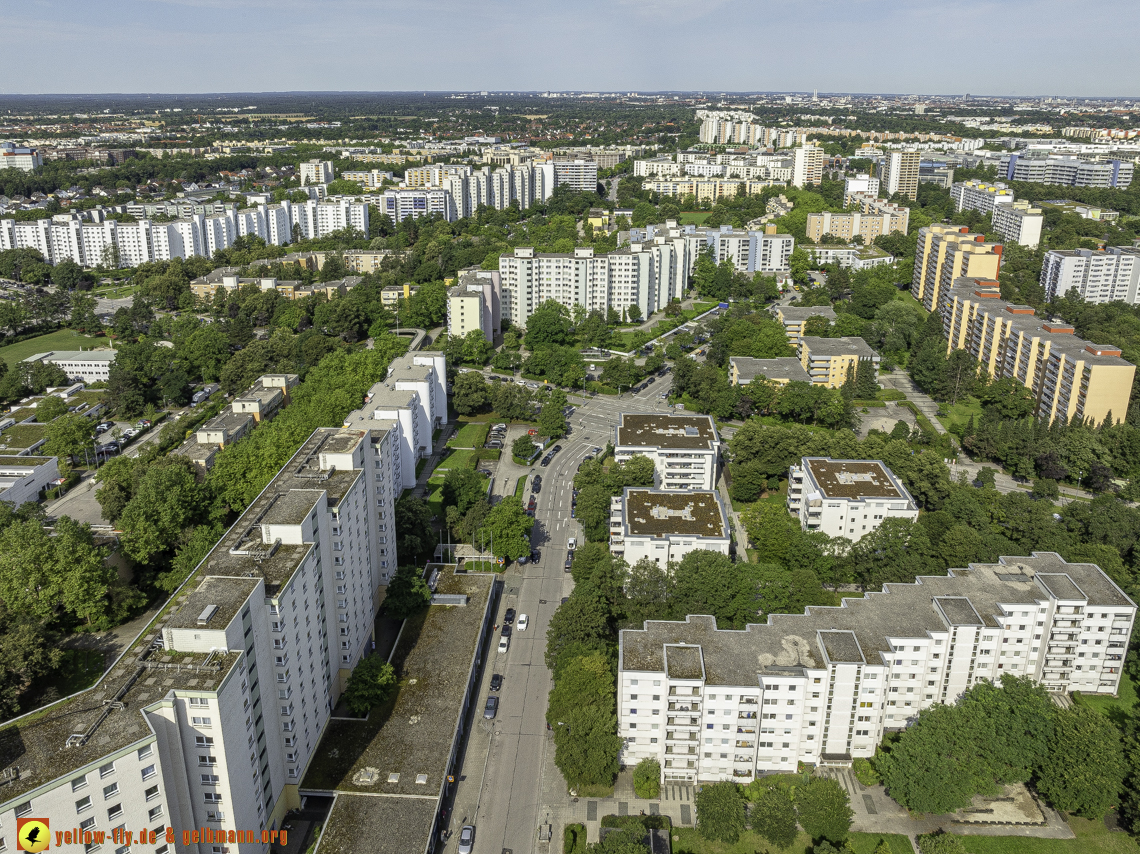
x=801, y=313
x=658, y=513
x=788, y=643
x=666, y=431
x=838, y=347
x=853, y=478
x=101, y=354
x=781, y=368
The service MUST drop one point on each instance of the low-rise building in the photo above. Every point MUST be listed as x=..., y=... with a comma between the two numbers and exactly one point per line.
x=89, y=366
x=851, y=257
x=390, y=295
x=683, y=448
x=665, y=525
x=846, y=498
x=1084, y=211
x=24, y=479
x=824, y=687
x=827, y=359
x=859, y=183
x=782, y=370
x=794, y=317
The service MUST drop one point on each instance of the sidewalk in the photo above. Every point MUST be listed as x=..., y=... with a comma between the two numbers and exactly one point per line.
x=438, y=446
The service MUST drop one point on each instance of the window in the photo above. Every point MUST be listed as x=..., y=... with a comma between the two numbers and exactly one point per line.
x=144, y=752
x=107, y=770
x=78, y=783
x=200, y=722
x=205, y=759
x=215, y=815
x=200, y=702
x=209, y=779
x=148, y=771
x=23, y=809
x=212, y=797
x=151, y=793
x=87, y=823
x=114, y=812
x=82, y=805
x=154, y=813
x=203, y=741
x=110, y=791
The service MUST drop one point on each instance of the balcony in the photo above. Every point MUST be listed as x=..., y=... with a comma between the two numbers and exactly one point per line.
x=740, y=743
x=681, y=736
x=746, y=716
x=690, y=721
x=684, y=707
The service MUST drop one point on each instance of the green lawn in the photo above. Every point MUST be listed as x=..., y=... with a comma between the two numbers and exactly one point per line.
x=905, y=296
x=462, y=458
x=520, y=487
x=1092, y=838
x=1117, y=708
x=961, y=413
x=470, y=435
x=22, y=436
x=64, y=339
x=694, y=217
x=690, y=842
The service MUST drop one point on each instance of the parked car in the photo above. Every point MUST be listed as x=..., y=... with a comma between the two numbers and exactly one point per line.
x=467, y=839
x=505, y=631
x=504, y=645
x=104, y=426
x=546, y=460
x=496, y=681
x=572, y=543
x=524, y=621
x=569, y=561
x=491, y=709
x=499, y=427
x=536, y=487
x=141, y=423
x=509, y=616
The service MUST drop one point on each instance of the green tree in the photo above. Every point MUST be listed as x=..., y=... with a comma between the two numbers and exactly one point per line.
x=462, y=488
x=593, y=512
x=1083, y=771
x=582, y=713
x=552, y=421
x=191, y=552
x=69, y=435
x=28, y=652
x=720, y=812
x=771, y=528
x=584, y=618
x=470, y=393
x=823, y=810
x=940, y=843
x=371, y=682
x=773, y=816
x=166, y=500
x=414, y=534
x=549, y=324
x=523, y=448
x=647, y=779
x=50, y=408
x=508, y=526
x=407, y=594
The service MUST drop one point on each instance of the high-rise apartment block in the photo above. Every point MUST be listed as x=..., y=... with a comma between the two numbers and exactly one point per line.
x=13, y=156
x=748, y=251
x=316, y=172
x=1096, y=276
x=1019, y=223
x=581, y=175
x=401, y=203
x=475, y=303
x=980, y=196
x=211, y=719
x=807, y=165
x=846, y=498
x=683, y=448
x=823, y=687
x=1067, y=171
x=1069, y=377
x=946, y=252
x=898, y=173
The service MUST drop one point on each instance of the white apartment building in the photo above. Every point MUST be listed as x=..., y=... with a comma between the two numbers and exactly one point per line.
x=748, y=251
x=13, y=156
x=211, y=719
x=823, y=687
x=859, y=183
x=400, y=203
x=683, y=448
x=898, y=173
x=89, y=366
x=369, y=179
x=318, y=219
x=1019, y=223
x=316, y=172
x=664, y=526
x=1096, y=276
x=582, y=175
x=628, y=276
x=1067, y=170
x=846, y=498
x=807, y=165
x=475, y=303
x=980, y=196
x=425, y=373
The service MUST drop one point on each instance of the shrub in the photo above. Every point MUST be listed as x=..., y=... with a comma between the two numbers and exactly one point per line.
x=865, y=772
x=647, y=779
x=370, y=684
x=574, y=839
x=940, y=843
x=720, y=812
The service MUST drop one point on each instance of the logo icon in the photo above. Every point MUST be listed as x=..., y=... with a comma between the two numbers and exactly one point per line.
x=32, y=834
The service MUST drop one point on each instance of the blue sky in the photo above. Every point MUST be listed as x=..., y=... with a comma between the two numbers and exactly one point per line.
x=1020, y=47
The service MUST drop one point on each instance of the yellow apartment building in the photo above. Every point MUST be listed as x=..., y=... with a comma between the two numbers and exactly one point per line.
x=827, y=359
x=945, y=253
x=782, y=370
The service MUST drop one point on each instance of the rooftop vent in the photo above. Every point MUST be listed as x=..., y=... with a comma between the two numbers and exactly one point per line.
x=421, y=779
x=394, y=777
x=692, y=431
x=207, y=614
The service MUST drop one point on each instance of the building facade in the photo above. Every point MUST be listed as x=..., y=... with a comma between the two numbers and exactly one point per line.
x=683, y=448
x=846, y=498
x=824, y=687
x=475, y=303
x=315, y=172
x=1019, y=223
x=898, y=173
x=781, y=370
x=794, y=317
x=947, y=252
x=664, y=525
x=827, y=359
x=1096, y=276
x=807, y=165
x=89, y=366
x=980, y=196
x=1068, y=171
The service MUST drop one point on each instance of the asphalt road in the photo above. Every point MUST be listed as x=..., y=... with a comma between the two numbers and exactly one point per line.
x=501, y=783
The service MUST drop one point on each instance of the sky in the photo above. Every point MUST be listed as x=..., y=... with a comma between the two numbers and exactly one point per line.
x=999, y=47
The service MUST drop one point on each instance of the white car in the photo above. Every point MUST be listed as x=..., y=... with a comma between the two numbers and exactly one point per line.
x=522, y=622
x=572, y=544
x=504, y=645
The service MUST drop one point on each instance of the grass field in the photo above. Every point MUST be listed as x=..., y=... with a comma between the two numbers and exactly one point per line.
x=457, y=459
x=64, y=339
x=905, y=296
x=22, y=435
x=961, y=413
x=1092, y=838
x=690, y=842
x=520, y=487
x=694, y=217
x=470, y=435
x=1117, y=708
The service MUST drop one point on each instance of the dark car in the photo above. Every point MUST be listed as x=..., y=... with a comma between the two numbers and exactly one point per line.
x=536, y=486
x=491, y=709
x=546, y=460
x=565, y=599
x=556, y=449
x=496, y=681
x=505, y=631
x=509, y=616
x=537, y=480
x=569, y=561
